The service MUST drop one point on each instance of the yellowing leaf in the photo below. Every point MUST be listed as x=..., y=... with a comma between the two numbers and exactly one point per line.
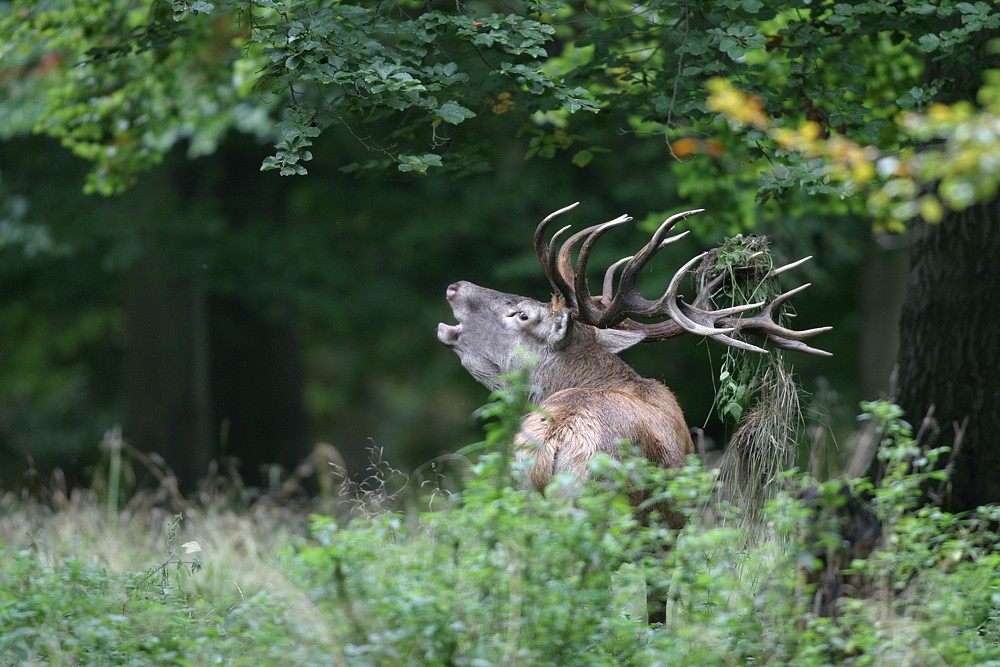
x=810, y=130
x=931, y=209
x=862, y=172
x=685, y=147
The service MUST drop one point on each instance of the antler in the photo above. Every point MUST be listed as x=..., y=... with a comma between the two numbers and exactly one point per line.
x=617, y=309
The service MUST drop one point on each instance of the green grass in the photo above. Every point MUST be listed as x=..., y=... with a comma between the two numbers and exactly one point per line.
x=79, y=588
x=493, y=575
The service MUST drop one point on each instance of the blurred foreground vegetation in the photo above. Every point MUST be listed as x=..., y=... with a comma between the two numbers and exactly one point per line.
x=405, y=572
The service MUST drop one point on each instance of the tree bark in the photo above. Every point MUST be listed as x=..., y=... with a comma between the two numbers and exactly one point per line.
x=950, y=347
x=949, y=336
x=884, y=273
x=209, y=375
x=166, y=369
x=257, y=390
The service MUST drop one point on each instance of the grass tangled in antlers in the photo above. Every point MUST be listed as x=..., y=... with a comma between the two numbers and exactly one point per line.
x=757, y=392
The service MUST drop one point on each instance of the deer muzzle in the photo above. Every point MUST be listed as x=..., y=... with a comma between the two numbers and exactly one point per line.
x=449, y=333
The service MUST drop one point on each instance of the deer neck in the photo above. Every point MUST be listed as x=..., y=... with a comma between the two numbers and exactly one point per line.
x=582, y=367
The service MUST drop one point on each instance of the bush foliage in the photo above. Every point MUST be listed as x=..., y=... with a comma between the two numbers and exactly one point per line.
x=495, y=575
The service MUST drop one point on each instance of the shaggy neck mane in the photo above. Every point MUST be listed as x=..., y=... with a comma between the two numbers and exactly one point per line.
x=585, y=365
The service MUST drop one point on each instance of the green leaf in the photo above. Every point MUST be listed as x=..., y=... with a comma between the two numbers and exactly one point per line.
x=930, y=42
x=418, y=163
x=583, y=158
x=454, y=113
x=181, y=7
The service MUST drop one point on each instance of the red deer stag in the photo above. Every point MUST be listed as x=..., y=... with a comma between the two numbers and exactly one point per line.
x=589, y=398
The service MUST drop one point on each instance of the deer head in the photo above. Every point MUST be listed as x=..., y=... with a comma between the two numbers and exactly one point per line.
x=496, y=331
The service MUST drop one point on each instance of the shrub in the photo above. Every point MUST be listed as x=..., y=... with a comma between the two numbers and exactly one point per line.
x=495, y=575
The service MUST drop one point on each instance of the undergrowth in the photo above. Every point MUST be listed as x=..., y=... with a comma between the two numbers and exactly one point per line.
x=850, y=573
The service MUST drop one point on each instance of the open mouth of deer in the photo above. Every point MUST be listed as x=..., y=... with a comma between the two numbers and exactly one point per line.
x=449, y=333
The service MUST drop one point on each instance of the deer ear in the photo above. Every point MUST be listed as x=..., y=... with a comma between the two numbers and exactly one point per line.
x=562, y=328
x=616, y=340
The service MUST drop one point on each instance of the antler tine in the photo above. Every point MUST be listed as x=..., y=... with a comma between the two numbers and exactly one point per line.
x=555, y=214
x=587, y=305
x=541, y=247
x=547, y=255
x=555, y=237
x=798, y=346
x=788, y=267
x=628, y=301
x=561, y=277
x=669, y=301
x=739, y=344
x=779, y=336
x=720, y=313
x=670, y=223
x=775, y=330
x=673, y=239
x=609, y=277
x=765, y=318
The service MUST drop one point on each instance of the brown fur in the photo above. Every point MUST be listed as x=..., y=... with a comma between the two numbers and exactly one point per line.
x=575, y=424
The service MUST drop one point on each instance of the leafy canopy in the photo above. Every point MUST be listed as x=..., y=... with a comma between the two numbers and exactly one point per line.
x=426, y=86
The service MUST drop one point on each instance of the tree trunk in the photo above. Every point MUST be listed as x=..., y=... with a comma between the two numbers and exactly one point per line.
x=167, y=369
x=950, y=347
x=207, y=375
x=257, y=390
x=884, y=273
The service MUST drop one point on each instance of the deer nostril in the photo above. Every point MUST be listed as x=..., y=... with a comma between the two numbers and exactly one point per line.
x=451, y=291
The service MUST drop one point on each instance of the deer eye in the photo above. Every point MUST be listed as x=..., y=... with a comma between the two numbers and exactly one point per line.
x=520, y=315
